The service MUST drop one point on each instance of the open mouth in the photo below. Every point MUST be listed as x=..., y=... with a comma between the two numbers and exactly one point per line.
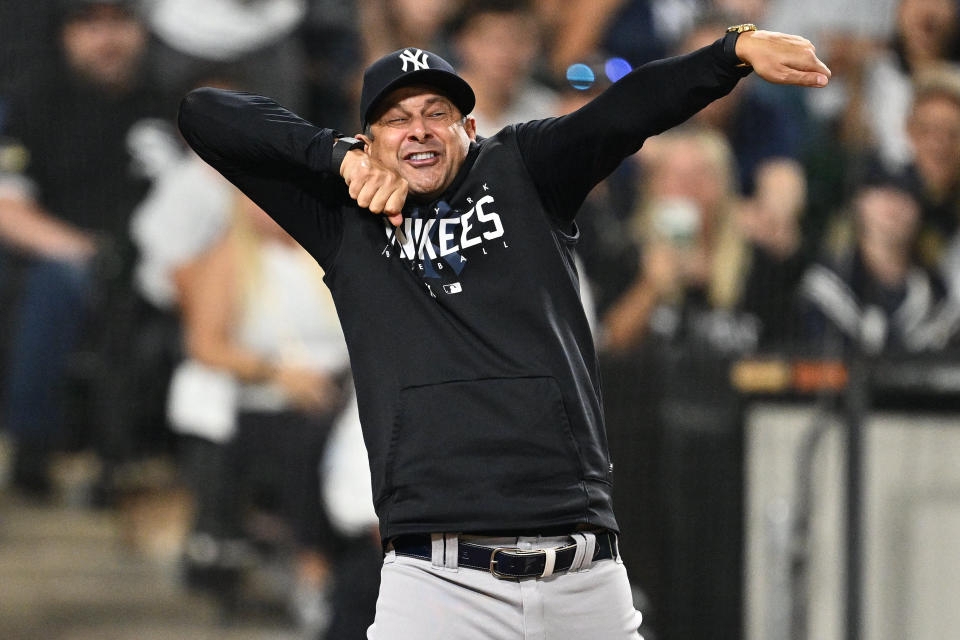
x=422, y=158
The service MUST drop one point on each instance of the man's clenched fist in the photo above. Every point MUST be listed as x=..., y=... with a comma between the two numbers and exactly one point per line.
x=374, y=186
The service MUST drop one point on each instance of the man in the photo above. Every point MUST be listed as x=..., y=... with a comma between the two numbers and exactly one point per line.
x=933, y=128
x=874, y=295
x=73, y=167
x=497, y=42
x=473, y=362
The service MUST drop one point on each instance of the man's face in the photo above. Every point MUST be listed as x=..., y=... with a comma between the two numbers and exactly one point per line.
x=104, y=44
x=499, y=47
x=422, y=136
x=887, y=216
x=934, y=129
x=688, y=169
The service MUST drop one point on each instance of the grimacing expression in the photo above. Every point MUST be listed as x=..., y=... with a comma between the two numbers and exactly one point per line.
x=423, y=136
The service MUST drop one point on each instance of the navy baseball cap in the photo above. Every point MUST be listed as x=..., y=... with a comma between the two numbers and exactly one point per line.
x=410, y=66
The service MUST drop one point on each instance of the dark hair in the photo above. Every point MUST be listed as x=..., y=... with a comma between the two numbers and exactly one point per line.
x=874, y=174
x=71, y=10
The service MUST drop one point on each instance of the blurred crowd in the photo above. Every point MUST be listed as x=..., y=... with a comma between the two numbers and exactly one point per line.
x=148, y=309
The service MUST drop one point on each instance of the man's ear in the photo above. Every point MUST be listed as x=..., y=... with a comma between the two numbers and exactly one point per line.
x=470, y=126
x=366, y=141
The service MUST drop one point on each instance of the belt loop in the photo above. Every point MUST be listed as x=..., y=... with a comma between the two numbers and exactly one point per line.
x=615, y=546
x=450, y=562
x=589, y=549
x=579, y=553
x=549, y=561
x=438, y=545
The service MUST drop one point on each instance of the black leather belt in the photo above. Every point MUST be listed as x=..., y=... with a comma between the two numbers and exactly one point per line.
x=506, y=562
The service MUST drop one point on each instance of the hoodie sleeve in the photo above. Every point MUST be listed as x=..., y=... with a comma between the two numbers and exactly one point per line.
x=281, y=161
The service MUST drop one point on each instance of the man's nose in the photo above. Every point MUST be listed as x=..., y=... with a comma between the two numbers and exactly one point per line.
x=418, y=129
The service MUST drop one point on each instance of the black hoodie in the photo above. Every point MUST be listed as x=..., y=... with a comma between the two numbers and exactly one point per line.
x=474, y=365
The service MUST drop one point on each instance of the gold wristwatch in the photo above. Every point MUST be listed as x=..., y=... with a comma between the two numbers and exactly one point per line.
x=740, y=28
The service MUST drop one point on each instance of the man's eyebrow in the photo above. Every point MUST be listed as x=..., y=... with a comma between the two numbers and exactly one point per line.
x=436, y=99
x=396, y=107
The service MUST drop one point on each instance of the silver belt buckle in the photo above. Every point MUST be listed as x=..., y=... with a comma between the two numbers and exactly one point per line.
x=493, y=560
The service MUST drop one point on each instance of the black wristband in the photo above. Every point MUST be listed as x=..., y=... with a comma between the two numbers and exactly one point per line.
x=340, y=149
x=730, y=45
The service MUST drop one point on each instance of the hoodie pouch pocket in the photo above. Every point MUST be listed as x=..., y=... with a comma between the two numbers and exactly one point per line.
x=497, y=450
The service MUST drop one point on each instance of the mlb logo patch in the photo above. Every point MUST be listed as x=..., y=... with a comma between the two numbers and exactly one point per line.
x=452, y=288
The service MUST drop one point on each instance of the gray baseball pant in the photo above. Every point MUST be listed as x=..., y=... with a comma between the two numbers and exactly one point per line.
x=435, y=600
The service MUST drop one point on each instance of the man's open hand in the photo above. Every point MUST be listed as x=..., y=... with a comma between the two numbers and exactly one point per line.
x=374, y=186
x=782, y=58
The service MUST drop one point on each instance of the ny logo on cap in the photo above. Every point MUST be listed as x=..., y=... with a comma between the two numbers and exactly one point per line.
x=418, y=59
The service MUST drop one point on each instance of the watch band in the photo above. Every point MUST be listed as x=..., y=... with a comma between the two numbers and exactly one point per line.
x=730, y=41
x=340, y=149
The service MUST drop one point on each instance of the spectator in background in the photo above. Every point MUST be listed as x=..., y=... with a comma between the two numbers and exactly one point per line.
x=186, y=212
x=933, y=127
x=497, y=42
x=865, y=115
x=257, y=314
x=190, y=210
x=926, y=35
x=86, y=143
x=694, y=258
x=870, y=293
x=391, y=24
x=770, y=223
x=874, y=47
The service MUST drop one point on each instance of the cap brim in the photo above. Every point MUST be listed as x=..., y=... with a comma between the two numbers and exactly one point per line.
x=450, y=84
